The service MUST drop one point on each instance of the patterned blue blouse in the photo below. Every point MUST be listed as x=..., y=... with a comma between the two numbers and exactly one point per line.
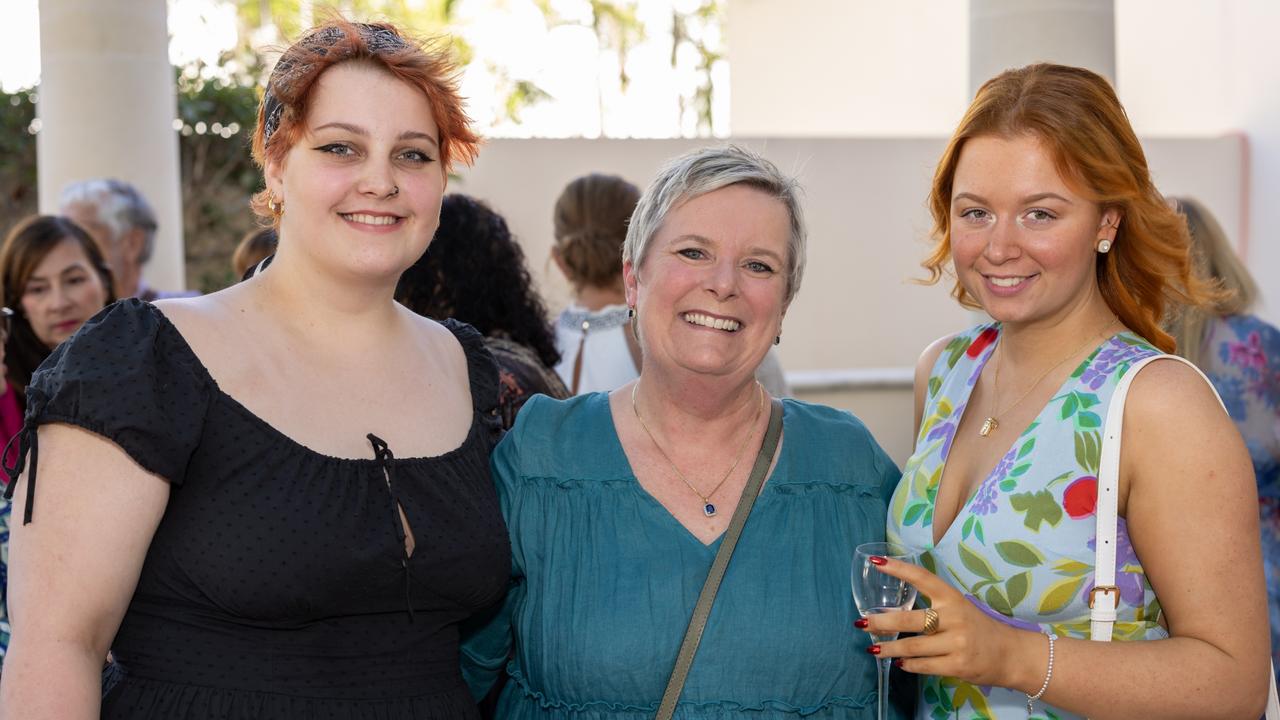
x=1242, y=360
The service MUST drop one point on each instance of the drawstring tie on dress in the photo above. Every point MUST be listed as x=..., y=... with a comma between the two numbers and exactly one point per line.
x=27, y=441
x=382, y=453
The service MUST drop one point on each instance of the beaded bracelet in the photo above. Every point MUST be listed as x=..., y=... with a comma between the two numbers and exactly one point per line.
x=1048, y=675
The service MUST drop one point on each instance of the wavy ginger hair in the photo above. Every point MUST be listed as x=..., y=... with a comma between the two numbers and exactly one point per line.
x=1076, y=115
x=424, y=66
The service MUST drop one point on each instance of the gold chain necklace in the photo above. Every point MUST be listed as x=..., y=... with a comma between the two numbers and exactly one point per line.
x=708, y=508
x=991, y=423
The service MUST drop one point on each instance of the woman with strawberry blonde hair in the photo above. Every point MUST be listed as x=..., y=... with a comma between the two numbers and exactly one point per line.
x=273, y=502
x=1045, y=212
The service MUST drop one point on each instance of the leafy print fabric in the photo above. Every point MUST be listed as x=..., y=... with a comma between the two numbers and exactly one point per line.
x=1022, y=547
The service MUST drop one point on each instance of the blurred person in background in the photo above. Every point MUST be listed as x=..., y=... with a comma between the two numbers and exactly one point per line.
x=10, y=424
x=1240, y=353
x=597, y=351
x=54, y=278
x=256, y=245
x=123, y=224
x=474, y=271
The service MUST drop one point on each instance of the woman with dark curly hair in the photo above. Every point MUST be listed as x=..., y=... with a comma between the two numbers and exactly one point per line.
x=475, y=272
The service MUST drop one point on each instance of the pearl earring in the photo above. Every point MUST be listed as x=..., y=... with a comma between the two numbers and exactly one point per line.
x=1104, y=246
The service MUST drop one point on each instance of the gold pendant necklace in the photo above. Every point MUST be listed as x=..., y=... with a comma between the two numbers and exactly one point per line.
x=708, y=508
x=990, y=424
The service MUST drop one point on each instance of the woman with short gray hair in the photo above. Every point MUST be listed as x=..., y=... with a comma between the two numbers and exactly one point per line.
x=621, y=506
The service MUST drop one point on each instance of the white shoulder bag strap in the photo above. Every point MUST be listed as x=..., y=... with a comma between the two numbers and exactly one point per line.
x=1105, y=596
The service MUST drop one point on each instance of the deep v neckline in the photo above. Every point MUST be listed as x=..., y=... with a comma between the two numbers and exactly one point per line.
x=945, y=452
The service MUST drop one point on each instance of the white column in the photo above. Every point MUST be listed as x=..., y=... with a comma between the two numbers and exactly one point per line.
x=1007, y=34
x=106, y=109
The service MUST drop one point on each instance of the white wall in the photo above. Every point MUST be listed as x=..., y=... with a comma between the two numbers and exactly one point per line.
x=847, y=68
x=1189, y=67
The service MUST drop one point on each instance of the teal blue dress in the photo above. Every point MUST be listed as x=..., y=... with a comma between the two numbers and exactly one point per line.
x=604, y=579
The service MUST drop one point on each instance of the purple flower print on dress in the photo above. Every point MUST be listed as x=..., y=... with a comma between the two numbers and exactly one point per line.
x=1013, y=621
x=978, y=366
x=947, y=431
x=984, y=501
x=1112, y=354
x=1130, y=583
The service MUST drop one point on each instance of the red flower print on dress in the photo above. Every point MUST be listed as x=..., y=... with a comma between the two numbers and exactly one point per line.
x=1081, y=497
x=980, y=343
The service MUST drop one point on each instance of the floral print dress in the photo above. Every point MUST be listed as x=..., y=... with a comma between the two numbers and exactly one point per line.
x=1022, y=547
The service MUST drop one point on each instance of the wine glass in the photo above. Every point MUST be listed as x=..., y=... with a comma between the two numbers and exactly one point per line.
x=875, y=592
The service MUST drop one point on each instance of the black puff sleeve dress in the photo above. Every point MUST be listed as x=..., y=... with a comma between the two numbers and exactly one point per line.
x=277, y=584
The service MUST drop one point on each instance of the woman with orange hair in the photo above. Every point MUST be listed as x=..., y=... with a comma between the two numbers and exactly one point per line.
x=1045, y=210
x=274, y=502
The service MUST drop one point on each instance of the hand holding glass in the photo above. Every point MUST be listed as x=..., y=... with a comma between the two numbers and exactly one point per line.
x=875, y=592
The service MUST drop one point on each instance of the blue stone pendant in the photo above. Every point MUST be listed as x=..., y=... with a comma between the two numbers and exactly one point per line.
x=709, y=510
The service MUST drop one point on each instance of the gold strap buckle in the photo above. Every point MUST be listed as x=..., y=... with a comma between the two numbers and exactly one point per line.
x=1110, y=589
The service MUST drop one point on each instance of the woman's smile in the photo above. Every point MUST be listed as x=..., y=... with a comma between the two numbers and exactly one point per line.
x=376, y=222
x=1008, y=285
x=712, y=321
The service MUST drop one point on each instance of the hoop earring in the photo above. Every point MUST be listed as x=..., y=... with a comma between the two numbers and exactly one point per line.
x=1104, y=246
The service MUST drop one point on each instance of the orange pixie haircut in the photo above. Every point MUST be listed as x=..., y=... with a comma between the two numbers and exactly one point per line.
x=426, y=66
x=1077, y=116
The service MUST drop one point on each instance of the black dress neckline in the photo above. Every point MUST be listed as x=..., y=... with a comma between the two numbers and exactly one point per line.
x=204, y=375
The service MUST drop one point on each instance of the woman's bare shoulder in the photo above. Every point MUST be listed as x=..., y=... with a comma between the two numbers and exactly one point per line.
x=1169, y=389
x=1174, y=424
x=199, y=316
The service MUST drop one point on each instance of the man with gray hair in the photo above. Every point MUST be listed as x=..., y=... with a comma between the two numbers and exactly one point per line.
x=123, y=224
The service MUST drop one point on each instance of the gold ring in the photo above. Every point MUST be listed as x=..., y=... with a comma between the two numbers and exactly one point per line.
x=930, y=621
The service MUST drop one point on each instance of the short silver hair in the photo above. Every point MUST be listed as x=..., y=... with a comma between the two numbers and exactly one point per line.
x=705, y=170
x=119, y=206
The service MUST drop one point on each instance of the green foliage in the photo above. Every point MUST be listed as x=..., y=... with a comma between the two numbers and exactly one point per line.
x=682, y=31
x=18, y=149
x=217, y=173
x=523, y=94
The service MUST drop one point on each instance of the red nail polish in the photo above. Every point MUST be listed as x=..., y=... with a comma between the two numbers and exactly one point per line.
x=897, y=662
x=877, y=560
x=874, y=649
x=861, y=623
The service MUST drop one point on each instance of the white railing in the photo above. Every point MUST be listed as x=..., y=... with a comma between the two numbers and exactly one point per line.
x=891, y=378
